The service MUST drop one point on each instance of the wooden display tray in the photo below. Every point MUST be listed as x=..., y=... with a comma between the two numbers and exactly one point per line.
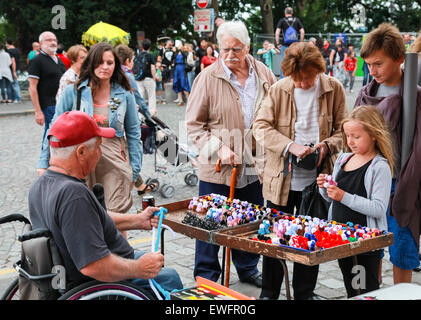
x=238, y=238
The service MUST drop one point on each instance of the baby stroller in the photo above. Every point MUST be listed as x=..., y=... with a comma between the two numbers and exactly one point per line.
x=170, y=156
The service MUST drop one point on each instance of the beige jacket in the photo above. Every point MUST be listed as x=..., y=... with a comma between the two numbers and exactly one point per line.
x=274, y=129
x=214, y=116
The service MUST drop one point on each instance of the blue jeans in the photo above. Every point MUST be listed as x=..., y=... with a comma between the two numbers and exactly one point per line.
x=404, y=251
x=190, y=77
x=283, y=48
x=367, y=77
x=206, y=262
x=48, y=116
x=167, y=278
x=6, y=88
x=16, y=91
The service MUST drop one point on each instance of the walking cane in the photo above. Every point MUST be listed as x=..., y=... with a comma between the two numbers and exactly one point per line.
x=232, y=193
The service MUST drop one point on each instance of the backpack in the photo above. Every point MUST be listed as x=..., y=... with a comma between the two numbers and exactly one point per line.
x=140, y=66
x=291, y=34
x=168, y=57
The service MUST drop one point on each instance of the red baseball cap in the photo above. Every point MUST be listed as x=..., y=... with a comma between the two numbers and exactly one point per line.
x=75, y=127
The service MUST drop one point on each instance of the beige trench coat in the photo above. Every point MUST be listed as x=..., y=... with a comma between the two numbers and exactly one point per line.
x=274, y=129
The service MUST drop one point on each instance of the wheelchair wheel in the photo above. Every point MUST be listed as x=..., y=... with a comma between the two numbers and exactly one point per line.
x=12, y=291
x=95, y=290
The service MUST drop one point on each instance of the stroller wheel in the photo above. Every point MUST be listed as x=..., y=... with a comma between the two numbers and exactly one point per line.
x=186, y=178
x=167, y=191
x=155, y=182
x=191, y=179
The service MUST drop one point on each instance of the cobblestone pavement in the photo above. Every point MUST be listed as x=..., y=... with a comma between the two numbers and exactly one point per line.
x=21, y=142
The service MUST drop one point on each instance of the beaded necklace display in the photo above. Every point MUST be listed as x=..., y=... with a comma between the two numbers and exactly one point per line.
x=278, y=228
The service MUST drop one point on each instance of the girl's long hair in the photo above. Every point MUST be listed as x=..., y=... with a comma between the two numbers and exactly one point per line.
x=373, y=122
x=93, y=60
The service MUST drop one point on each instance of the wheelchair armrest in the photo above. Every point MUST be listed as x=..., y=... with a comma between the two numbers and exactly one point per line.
x=23, y=273
x=14, y=217
x=37, y=233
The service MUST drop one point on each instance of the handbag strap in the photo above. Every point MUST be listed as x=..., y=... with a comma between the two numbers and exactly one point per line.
x=79, y=98
x=328, y=154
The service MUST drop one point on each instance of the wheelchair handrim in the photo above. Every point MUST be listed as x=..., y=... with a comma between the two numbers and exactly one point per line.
x=93, y=290
x=125, y=294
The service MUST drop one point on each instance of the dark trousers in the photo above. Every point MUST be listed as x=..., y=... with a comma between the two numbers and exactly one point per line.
x=304, y=277
x=6, y=89
x=367, y=273
x=206, y=262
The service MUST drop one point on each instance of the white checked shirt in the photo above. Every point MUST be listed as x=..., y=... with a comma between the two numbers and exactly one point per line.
x=247, y=95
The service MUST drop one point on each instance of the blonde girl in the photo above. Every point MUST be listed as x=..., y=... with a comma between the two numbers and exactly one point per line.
x=364, y=176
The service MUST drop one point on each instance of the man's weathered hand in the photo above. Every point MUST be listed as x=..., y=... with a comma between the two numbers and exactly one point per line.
x=39, y=118
x=227, y=156
x=40, y=171
x=148, y=218
x=150, y=264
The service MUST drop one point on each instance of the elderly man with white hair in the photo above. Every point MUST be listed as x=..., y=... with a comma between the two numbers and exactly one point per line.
x=223, y=102
x=45, y=71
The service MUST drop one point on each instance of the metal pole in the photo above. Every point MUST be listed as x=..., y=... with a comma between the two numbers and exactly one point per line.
x=409, y=104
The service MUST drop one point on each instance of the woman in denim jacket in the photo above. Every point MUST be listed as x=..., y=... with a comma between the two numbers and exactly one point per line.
x=106, y=96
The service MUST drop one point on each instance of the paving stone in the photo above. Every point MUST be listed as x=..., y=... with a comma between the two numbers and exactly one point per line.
x=332, y=283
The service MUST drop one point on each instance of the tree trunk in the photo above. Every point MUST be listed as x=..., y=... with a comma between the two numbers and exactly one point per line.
x=215, y=7
x=267, y=16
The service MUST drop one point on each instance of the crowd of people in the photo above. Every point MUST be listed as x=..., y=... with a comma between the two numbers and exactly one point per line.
x=88, y=102
x=180, y=63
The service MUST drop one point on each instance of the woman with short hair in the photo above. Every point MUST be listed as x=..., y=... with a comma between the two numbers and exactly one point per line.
x=76, y=55
x=305, y=107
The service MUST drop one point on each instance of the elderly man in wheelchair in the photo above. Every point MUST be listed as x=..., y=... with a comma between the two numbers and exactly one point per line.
x=77, y=235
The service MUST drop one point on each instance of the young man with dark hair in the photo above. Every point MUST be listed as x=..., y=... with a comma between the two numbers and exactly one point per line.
x=384, y=52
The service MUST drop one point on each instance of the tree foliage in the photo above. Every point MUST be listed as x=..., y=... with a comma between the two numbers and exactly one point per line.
x=155, y=17
x=328, y=16
x=174, y=18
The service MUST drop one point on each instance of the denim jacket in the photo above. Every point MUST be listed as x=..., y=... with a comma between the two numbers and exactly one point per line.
x=124, y=120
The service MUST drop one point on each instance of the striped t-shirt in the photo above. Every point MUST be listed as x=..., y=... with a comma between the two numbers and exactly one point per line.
x=306, y=129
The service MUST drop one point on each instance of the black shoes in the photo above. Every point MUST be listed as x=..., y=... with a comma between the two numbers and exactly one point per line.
x=255, y=279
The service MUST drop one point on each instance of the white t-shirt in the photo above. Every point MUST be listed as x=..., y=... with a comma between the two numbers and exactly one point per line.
x=306, y=129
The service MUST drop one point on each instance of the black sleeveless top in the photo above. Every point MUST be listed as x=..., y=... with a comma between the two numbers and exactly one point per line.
x=353, y=183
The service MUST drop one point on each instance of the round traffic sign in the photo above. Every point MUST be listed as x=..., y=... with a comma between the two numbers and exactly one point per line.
x=202, y=4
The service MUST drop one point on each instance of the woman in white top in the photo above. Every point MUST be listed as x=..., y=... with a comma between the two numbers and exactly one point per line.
x=5, y=75
x=305, y=107
x=76, y=55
